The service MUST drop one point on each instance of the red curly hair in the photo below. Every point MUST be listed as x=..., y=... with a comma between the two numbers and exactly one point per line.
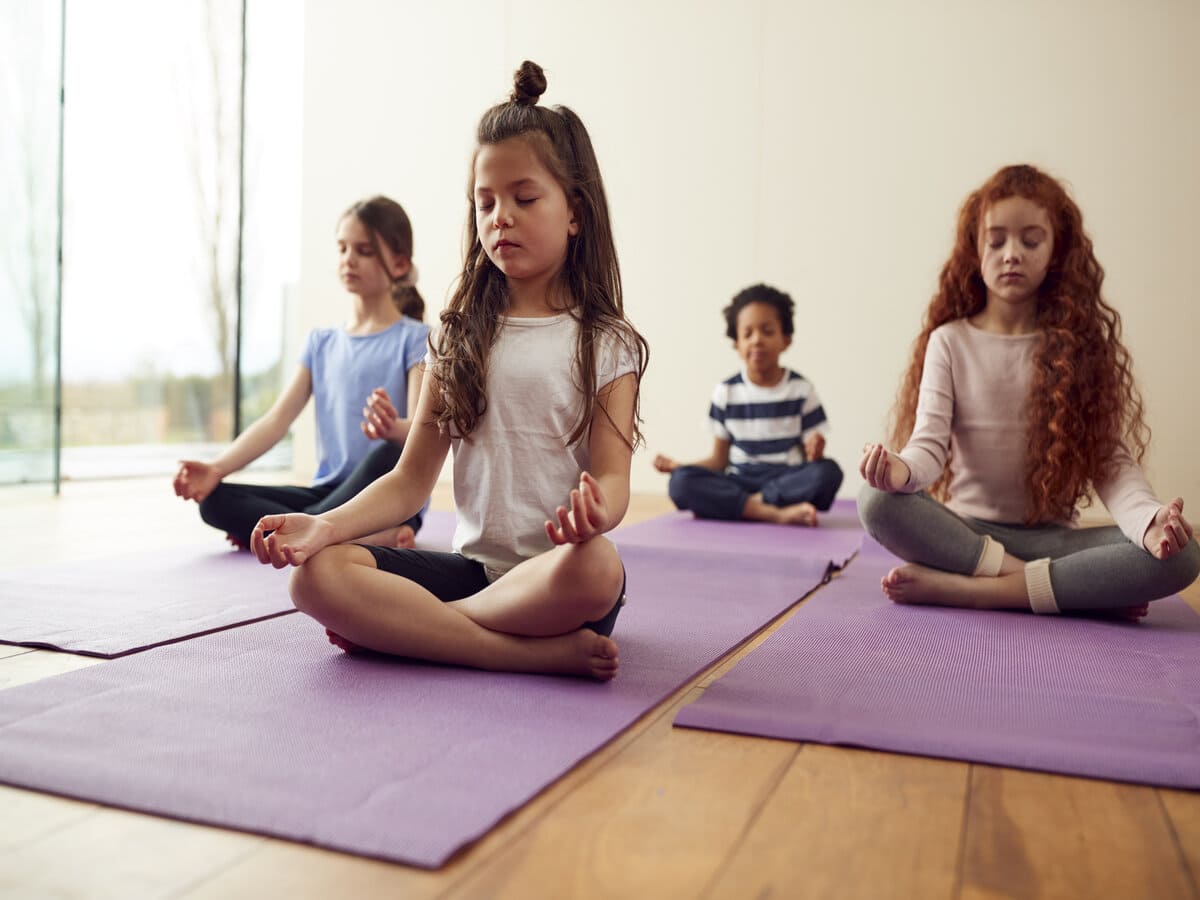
x=1083, y=403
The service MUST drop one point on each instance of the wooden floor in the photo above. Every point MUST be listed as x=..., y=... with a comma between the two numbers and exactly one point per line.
x=658, y=813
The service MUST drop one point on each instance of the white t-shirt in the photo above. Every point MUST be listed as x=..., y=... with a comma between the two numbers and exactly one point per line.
x=517, y=467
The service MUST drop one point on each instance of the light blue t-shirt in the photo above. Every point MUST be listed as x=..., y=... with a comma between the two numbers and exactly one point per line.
x=345, y=369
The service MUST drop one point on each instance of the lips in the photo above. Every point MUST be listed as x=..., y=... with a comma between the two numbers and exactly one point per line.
x=500, y=245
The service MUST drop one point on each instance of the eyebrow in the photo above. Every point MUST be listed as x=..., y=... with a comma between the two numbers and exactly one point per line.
x=512, y=186
x=1022, y=228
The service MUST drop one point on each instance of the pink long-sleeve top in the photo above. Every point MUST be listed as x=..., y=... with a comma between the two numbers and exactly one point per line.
x=974, y=391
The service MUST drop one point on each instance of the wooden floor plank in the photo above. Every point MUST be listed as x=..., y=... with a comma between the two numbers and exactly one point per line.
x=29, y=817
x=38, y=664
x=1030, y=834
x=656, y=821
x=852, y=823
x=1183, y=811
x=120, y=855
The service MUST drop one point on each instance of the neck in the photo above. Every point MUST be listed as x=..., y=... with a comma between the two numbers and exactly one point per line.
x=540, y=296
x=371, y=314
x=1000, y=317
x=768, y=377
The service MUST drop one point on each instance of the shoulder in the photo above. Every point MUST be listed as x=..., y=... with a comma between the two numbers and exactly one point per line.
x=797, y=382
x=321, y=338
x=413, y=326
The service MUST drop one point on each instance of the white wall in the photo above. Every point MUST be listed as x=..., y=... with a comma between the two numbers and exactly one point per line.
x=821, y=147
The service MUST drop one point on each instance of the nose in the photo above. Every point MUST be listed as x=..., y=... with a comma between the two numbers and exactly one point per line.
x=1012, y=250
x=502, y=215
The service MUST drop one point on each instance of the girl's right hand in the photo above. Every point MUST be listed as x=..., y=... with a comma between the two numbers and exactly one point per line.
x=289, y=540
x=665, y=464
x=883, y=469
x=1169, y=533
x=195, y=480
x=379, y=416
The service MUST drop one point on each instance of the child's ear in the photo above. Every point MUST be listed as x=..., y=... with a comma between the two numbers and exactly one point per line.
x=787, y=341
x=399, y=266
x=573, y=226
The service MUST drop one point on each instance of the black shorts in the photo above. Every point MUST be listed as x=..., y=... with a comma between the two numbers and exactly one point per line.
x=451, y=576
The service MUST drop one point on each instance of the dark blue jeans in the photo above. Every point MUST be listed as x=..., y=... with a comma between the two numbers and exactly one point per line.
x=722, y=495
x=236, y=508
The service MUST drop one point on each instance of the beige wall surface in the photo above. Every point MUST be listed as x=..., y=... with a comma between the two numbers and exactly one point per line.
x=821, y=147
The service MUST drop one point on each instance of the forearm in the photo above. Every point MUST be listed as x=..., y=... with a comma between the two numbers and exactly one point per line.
x=398, y=495
x=400, y=432
x=709, y=462
x=250, y=445
x=614, y=487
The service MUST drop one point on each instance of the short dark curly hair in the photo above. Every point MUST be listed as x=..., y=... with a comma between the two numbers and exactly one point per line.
x=760, y=293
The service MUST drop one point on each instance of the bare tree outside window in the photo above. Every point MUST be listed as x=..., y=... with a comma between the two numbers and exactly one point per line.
x=29, y=142
x=210, y=97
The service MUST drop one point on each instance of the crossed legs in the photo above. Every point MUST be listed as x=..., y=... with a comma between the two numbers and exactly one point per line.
x=530, y=620
x=959, y=562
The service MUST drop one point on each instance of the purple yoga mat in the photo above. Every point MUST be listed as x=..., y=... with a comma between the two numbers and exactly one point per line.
x=1054, y=693
x=119, y=605
x=269, y=729
x=837, y=537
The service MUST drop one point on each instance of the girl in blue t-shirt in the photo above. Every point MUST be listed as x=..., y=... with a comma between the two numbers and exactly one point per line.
x=364, y=377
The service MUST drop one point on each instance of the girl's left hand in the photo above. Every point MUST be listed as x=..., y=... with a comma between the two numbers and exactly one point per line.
x=814, y=446
x=587, y=517
x=379, y=416
x=1169, y=533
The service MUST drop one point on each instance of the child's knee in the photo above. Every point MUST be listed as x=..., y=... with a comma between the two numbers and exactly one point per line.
x=874, y=507
x=1185, y=566
x=212, y=507
x=313, y=586
x=592, y=575
x=677, y=487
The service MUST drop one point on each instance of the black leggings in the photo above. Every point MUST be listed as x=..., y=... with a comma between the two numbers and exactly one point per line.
x=451, y=576
x=236, y=508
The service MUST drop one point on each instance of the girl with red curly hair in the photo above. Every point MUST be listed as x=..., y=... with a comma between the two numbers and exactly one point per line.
x=1018, y=403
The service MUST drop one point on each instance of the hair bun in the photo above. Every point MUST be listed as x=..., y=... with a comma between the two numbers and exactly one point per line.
x=529, y=83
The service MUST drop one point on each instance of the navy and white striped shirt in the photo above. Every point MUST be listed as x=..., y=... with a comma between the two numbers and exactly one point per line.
x=766, y=424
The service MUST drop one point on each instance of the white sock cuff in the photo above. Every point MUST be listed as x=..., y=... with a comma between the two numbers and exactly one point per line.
x=1037, y=586
x=991, y=558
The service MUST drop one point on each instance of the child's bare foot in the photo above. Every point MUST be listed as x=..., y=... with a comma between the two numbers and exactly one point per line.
x=798, y=514
x=1120, y=613
x=759, y=510
x=912, y=583
x=582, y=652
x=406, y=538
x=338, y=641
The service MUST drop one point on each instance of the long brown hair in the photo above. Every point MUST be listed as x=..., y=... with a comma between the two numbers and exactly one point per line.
x=386, y=220
x=590, y=274
x=1083, y=403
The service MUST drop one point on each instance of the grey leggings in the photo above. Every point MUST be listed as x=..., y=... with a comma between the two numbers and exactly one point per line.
x=1090, y=568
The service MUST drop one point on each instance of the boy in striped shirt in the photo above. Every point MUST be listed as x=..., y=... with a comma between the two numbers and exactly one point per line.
x=768, y=461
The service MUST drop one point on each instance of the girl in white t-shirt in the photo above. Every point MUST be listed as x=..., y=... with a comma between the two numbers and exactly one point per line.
x=533, y=381
x=1019, y=401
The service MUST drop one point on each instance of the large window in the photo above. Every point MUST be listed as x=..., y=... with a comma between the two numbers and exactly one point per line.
x=180, y=177
x=30, y=79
